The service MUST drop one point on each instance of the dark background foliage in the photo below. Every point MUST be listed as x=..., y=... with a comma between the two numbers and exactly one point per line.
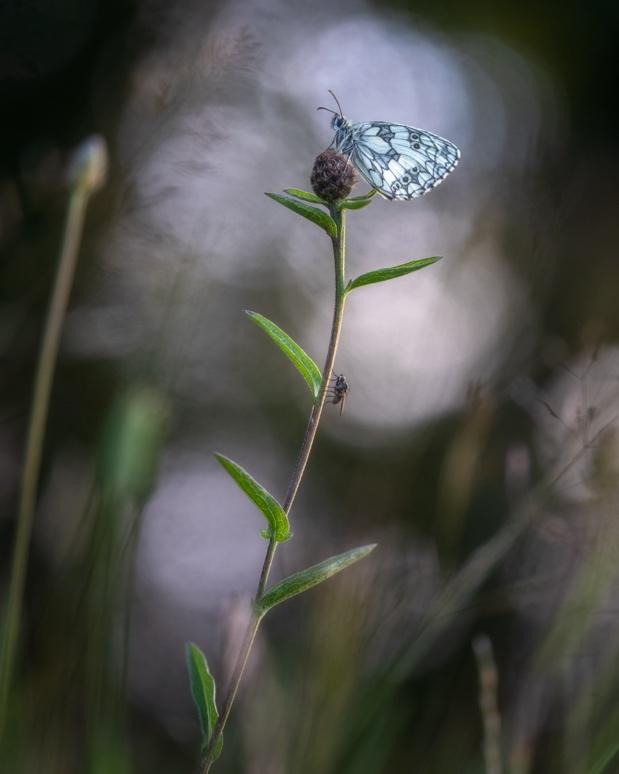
x=471, y=383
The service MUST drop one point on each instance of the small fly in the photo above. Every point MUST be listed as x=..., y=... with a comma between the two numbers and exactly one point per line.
x=338, y=390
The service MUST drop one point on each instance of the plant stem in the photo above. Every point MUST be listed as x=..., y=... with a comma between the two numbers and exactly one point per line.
x=339, y=255
x=36, y=433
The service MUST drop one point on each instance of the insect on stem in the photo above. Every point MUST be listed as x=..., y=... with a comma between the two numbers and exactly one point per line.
x=338, y=391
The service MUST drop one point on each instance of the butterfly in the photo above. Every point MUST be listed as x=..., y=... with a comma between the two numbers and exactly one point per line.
x=400, y=162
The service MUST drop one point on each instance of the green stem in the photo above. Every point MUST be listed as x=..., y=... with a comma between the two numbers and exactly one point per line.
x=36, y=433
x=339, y=255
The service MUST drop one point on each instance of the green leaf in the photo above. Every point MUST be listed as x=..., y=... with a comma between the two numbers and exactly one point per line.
x=381, y=275
x=355, y=204
x=203, y=691
x=317, y=216
x=279, y=528
x=305, y=196
x=371, y=193
x=312, y=576
x=300, y=359
x=604, y=758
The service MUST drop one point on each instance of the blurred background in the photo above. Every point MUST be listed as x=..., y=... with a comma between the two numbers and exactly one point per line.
x=479, y=446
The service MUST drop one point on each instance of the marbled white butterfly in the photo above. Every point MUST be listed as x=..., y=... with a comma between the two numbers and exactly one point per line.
x=399, y=161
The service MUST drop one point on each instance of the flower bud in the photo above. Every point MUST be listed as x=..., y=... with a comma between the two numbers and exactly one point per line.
x=333, y=176
x=88, y=168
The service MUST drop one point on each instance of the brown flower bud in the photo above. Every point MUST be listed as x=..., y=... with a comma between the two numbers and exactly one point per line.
x=333, y=176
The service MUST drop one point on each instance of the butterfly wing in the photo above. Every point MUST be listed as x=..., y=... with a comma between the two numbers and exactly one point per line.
x=401, y=162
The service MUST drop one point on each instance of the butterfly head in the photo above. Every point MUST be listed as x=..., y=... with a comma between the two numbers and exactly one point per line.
x=339, y=122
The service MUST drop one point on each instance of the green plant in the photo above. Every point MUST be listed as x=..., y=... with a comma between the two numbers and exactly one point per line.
x=87, y=175
x=326, y=208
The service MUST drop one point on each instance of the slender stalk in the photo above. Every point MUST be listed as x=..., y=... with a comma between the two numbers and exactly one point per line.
x=339, y=255
x=488, y=705
x=89, y=174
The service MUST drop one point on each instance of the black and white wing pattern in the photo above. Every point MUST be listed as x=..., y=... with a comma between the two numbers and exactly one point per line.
x=401, y=162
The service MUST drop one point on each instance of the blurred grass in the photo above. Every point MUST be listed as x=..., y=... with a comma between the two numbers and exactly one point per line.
x=477, y=534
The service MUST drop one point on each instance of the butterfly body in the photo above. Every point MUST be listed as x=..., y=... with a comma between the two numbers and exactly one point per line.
x=400, y=162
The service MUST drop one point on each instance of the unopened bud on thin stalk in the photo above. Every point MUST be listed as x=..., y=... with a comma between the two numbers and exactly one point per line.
x=88, y=169
x=333, y=176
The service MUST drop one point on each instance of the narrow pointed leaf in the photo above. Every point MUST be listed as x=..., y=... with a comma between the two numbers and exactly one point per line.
x=356, y=204
x=305, y=196
x=312, y=576
x=369, y=195
x=604, y=757
x=317, y=216
x=279, y=527
x=381, y=275
x=300, y=359
x=203, y=691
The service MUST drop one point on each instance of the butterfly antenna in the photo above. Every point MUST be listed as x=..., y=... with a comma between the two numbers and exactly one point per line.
x=337, y=102
x=329, y=109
